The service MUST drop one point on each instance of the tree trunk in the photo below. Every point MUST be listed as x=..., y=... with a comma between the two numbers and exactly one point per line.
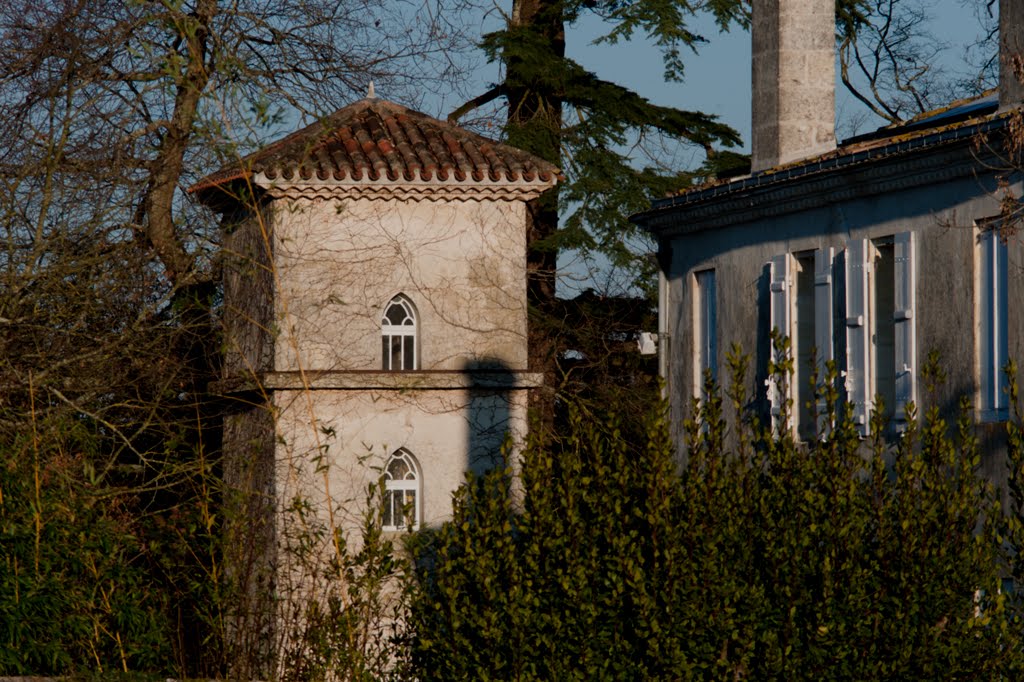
x=169, y=162
x=535, y=124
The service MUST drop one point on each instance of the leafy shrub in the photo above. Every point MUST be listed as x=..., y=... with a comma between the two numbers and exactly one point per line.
x=759, y=558
x=75, y=590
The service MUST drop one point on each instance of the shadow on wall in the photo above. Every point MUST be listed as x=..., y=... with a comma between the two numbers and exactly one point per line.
x=764, y=344
x=489, y=411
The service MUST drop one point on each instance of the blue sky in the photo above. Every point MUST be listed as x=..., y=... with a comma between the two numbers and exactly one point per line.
x=718, y=75
x=717, y=81
x=717, y=78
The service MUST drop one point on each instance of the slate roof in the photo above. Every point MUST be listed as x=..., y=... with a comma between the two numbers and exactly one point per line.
x=961, y=120
x=947, y=142
x=380, y=141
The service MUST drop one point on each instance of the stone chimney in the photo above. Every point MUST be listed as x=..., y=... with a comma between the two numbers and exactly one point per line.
x=1011, y=53
x=794, y=77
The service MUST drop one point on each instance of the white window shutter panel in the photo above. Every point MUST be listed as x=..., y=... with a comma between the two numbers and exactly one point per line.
x=992, y=344
x=823, y=307
x=904, y=286
x=823, y=341
x=780, y=293
x=858, y=387
x=780, y=301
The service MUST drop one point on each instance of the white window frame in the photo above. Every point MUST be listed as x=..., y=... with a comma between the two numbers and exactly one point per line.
x=405, y=333
x=991, y=310
x=705, y=328
x=396, y=491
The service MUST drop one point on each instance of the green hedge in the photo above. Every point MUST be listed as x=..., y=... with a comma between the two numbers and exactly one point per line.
x=760, y=558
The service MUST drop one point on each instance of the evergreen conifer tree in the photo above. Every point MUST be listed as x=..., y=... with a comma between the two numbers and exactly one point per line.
x=573, y=118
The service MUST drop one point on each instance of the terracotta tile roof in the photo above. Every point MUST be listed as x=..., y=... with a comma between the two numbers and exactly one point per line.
x=380, y=141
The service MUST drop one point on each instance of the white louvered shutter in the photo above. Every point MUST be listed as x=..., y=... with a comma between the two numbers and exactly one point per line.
x=904, y=285
x=858, y=386
x=780, y=299
x=823, y=341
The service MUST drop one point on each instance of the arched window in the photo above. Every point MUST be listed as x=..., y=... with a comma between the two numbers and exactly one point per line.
x=398, y=335
x=401, y=492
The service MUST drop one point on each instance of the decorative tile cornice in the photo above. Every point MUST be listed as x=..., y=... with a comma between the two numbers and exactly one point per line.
x=417, y=189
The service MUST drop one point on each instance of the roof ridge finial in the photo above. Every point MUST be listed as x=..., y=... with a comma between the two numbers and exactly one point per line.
x=370, y=94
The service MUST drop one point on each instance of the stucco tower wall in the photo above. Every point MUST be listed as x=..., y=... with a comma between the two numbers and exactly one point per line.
x=793, y=70
x=338, y=263
x=332, y=445
x=461, y=263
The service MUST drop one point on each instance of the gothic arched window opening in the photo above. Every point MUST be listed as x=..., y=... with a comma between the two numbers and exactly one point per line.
x=401, y=492
x=398, y=335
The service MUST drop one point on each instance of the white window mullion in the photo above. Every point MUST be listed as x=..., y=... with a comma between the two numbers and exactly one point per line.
x=994, y=321
x=858, y=349
x=987, y=324
x=1000, y=400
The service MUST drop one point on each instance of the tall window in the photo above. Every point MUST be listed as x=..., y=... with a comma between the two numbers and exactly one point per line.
x=881, y=346
x=398, y=335
x=883, y=327
x=401, y=492
x=804, y=348
x=705, y=325
x=992, y=343
x=801, y=308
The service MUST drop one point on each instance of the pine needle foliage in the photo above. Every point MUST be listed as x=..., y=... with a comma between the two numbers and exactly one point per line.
x=761, y=557
x=616, y=147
